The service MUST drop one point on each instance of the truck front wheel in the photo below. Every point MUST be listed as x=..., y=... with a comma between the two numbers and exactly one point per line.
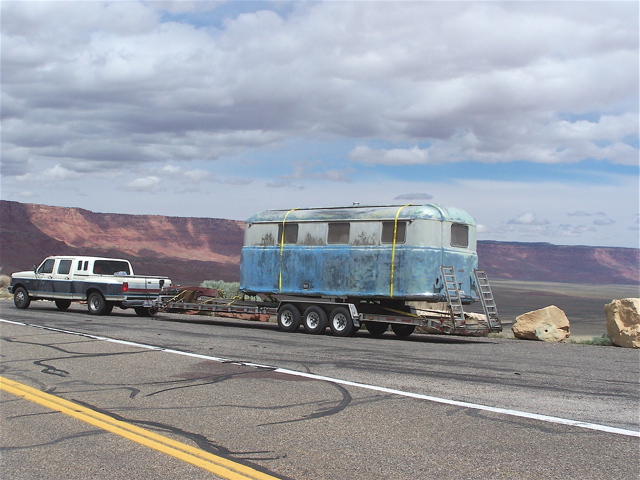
x=288, y=318
x=21, y=298
x=97, y=304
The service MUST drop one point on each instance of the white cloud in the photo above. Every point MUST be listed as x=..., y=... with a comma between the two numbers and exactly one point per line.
x=146, y=184
x=528, y=218
x=112, y=90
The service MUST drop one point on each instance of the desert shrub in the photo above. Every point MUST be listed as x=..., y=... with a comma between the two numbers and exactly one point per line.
x=4, y=283
x=601, y=341
x=225, y=289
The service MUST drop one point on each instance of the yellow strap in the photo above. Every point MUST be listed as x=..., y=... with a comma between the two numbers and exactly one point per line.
x=282, y=248
x=393, y=250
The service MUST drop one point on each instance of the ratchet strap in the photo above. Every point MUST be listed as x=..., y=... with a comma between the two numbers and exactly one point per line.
x=393, y=249
x=284, y=220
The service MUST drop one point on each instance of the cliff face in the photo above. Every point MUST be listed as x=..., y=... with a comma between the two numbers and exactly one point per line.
x=187, y=250
x=560, y=263
x=190, y=250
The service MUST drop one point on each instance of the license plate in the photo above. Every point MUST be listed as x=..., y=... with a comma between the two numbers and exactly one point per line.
x=147, y=303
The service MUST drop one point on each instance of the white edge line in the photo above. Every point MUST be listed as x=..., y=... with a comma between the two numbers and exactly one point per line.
x=446, y=401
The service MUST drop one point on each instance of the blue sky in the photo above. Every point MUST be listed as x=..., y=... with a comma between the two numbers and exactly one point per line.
x=525, y=114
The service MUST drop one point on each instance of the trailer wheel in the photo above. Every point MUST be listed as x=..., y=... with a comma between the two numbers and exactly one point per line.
x=21, y=298
x=341, y=323
x=402, y=330
x=314, y=320
x=376, y=329
x=288, y=318
x=97, y=305
x=63, y=304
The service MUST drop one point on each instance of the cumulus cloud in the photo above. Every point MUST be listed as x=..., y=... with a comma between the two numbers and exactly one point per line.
x=146, y=184
x=168, y=95
x=395, y=156
x=528, y=218
x=121, y=82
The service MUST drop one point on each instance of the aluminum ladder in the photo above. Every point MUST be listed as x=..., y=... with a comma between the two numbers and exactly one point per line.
x=486, y=298
x=453, y=296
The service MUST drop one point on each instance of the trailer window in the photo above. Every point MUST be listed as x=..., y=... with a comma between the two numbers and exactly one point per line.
x=290, y=233
x=338, y=233
x=47, y=266
x=64, y=267
x=459, y=235
x=388, y=230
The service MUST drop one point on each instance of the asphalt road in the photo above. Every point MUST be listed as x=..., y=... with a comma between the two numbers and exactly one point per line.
x=358, y=408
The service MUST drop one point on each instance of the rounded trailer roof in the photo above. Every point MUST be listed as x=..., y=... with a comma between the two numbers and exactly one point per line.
x=365, y=213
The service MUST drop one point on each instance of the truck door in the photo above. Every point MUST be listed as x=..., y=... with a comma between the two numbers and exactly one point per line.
x=44, y=276
x=61, y=279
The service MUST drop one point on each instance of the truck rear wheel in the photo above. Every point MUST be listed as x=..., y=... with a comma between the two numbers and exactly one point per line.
x=314, y=320
x=97, y=305
x=402, y=330
x=21, y=298
x=377, y=329
x=63, y=304
x=145, y=311
x=341, y=323
x=288, y=318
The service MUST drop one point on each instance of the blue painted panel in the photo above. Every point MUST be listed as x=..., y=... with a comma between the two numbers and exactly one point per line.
x=352, y=271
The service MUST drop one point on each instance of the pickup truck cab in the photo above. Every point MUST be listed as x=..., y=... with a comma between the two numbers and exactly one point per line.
x=103, y=283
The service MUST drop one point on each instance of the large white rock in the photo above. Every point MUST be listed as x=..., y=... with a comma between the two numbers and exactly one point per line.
x=548, y=324
x=623, y=322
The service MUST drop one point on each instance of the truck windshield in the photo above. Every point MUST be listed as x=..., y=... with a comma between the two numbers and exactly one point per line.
x=111, y=267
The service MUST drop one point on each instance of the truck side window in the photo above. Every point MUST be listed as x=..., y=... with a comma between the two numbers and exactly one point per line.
x=47, y=266
x=338, y=233
x=387, y=232
x=459, y=235
x=290, y=233
x=64, y=267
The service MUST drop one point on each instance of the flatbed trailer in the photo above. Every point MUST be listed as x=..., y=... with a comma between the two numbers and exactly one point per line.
x=342, y=316
x=345, y=267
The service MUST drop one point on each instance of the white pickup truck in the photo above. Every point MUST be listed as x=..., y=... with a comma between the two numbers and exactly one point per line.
x=103, y=283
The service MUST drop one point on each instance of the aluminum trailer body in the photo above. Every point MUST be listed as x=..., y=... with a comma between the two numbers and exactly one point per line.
x=366, y=252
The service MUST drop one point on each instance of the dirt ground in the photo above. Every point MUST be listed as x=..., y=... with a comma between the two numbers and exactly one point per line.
x=582, y=304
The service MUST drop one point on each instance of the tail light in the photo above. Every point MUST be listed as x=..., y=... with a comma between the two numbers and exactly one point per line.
x=125, y=287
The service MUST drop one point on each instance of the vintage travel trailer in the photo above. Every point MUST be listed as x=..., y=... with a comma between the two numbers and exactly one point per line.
x=375, y=252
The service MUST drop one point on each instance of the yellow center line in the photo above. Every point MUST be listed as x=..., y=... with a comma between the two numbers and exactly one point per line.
x=218, y=465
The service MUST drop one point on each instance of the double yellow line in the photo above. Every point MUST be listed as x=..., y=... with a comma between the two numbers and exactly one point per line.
x=217, y=465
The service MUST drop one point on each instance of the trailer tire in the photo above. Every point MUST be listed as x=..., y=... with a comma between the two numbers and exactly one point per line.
x=288, y=318
x=341, y=323
x=402, y=331
x=21, y=298
x=63, y=304
x=314, y=320
x=376, y=329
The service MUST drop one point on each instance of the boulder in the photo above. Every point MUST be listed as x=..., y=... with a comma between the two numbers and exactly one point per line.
x=548, y=324
x=623, y=322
